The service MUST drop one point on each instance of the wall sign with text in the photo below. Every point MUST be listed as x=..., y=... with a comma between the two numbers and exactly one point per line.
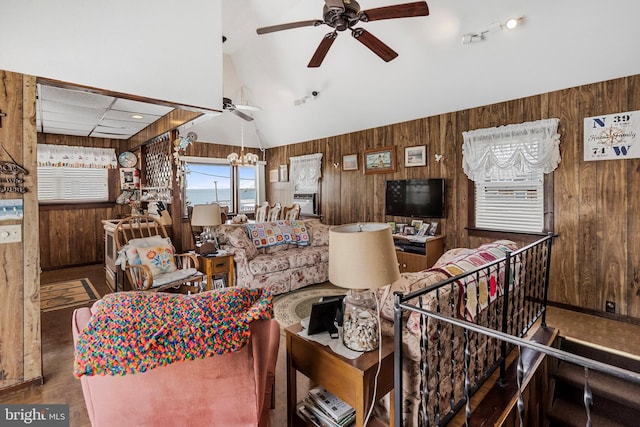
x=614, y=136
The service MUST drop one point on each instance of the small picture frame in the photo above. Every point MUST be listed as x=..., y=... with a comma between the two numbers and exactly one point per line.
x=273, y=175
x=350, y=162
x=379, y=160
x=417, y=223
x=433, y=228
x=409, y=230
x=424, y=229
x=415, y=156
x=284, y=173
x=129, y=178
x=218, y=284
x=392, y=225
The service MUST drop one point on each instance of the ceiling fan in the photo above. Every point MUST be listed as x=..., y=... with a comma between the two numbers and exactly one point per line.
x=345, y=14
x=228, y=105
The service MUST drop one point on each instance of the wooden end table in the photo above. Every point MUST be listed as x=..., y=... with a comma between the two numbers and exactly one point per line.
x=213, y=266
x=352, y=380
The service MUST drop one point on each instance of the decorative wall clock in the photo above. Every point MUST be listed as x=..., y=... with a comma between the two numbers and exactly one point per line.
x=127, y=159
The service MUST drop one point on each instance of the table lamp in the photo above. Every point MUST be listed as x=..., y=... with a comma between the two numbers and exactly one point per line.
x=207, y=216
x=361, y=257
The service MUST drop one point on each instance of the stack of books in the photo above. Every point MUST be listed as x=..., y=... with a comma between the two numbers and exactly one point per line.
x=323, y=409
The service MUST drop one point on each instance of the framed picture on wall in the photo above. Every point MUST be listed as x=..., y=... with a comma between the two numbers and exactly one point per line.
x=379, y=160
x=415, y=156
x=273, y=175
x=284, y=174
x=350, y=162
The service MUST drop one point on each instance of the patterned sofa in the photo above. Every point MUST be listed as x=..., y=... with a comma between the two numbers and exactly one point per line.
x=276, y=258
x=450, y=264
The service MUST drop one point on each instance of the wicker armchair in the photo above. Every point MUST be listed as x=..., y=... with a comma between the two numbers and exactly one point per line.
x=148, y=257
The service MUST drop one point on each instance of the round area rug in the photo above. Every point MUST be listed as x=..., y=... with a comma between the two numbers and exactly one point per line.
x=291, y=307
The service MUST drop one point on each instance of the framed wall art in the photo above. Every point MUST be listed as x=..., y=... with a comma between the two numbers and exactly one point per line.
x=273, y=175
x=350, y=162
x=379, y=160
x=415, y=156
x=284, y=173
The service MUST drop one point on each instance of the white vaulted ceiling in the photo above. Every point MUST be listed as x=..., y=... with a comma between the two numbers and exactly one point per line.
x=561, y=44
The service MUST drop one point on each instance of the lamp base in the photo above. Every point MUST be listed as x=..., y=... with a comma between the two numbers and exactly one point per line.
x=360, y=323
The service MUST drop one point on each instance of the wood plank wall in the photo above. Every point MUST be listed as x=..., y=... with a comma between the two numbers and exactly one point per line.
x=596, y=256
x=20, y=350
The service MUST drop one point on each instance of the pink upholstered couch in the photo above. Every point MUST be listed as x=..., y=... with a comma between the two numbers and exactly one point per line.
x=231, y=389
x=279, y=268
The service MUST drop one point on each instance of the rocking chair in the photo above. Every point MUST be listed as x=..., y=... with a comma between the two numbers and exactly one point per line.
x=148, y=258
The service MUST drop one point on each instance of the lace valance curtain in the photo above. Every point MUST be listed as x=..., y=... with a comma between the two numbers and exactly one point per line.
x=76, y=157
x=511, y=151
x=305, y=173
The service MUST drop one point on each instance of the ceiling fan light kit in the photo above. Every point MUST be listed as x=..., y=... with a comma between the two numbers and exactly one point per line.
x=344, y=15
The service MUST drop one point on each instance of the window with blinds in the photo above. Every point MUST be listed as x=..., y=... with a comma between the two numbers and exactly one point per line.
x=511, y=204
x=72, y=185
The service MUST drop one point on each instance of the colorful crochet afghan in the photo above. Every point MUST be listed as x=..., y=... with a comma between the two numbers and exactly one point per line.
x=132, y=332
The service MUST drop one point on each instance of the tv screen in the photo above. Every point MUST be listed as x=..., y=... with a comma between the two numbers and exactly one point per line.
x=422, y=198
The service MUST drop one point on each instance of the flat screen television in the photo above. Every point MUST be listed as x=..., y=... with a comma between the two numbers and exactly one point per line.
x=420, y=198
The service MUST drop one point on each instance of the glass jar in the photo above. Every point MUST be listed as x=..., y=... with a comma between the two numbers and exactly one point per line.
x=360, y=320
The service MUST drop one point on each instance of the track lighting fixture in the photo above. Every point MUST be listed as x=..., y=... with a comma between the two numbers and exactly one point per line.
x=510, y=24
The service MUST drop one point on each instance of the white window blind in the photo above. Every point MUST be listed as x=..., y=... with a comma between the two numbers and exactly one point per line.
x=512, y=205
x=59, y=184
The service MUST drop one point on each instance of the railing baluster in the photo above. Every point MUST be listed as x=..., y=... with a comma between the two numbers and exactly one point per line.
x=588, y=397
x=519, y=377
x=467, y=382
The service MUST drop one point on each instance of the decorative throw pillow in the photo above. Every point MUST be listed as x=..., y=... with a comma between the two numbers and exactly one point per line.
x=159, y=259
x=300, y=234
x=265, y=234
x=319, y=232
x=131, y=248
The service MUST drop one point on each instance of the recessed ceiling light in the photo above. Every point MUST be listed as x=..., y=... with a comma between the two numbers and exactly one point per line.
x=137, y=116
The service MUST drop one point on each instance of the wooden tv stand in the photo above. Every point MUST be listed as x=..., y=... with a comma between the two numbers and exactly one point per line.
x=408, y=261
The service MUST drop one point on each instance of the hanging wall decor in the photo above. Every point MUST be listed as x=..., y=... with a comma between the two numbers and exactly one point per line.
x=14, y=183
x=612, y=136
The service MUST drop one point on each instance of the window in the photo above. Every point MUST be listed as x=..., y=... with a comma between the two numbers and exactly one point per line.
x=507, y=165
x=72, y=174
x=210, y=180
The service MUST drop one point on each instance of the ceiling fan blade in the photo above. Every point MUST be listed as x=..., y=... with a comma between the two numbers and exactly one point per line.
x=241, y=114
x=374, y=43
x=248, y=107
x=334, y=4
x=290, y=25
x=406, y=10
x=323, y=48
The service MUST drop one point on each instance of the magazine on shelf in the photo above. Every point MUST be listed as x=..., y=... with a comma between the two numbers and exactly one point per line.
x=330, y=404
x=309, y=411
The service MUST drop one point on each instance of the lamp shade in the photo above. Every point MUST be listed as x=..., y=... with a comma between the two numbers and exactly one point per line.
x=206, y=215
x=362, y=256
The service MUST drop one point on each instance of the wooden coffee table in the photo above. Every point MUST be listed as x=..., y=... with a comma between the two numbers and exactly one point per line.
x=351, y=380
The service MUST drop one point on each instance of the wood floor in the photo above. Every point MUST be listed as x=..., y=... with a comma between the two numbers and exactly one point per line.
x=61, y=387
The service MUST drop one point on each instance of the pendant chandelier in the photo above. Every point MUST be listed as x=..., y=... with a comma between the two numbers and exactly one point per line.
x=242, y=159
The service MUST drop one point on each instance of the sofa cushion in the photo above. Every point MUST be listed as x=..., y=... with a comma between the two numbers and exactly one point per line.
x=269, y=263
x=302, y=257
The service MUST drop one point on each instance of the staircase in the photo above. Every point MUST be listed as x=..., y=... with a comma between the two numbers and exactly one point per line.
x=615, y=402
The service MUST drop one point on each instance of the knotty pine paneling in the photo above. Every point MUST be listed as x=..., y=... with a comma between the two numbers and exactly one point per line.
x=595, y=257
x=20, y=351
